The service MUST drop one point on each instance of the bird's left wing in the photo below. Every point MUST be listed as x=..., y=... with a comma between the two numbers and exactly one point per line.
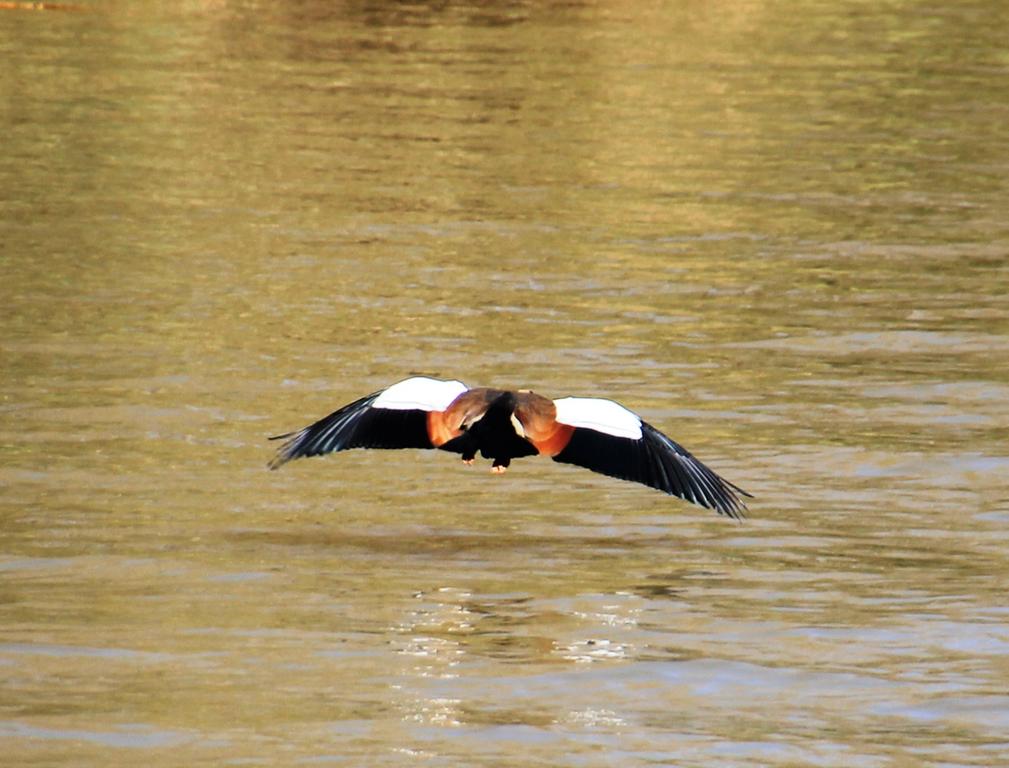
x=609, y=439
x=399, y=416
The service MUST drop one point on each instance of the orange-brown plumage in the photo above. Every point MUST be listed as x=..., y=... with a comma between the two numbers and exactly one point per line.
x=538, y=416
x=439, y=428
x=443, y=426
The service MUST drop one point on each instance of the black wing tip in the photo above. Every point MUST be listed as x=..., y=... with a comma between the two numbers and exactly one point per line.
x=716, y=493
x=277, y=461
x=292, y=449
x=285, y=452
x=729, y=505
x=736, y=510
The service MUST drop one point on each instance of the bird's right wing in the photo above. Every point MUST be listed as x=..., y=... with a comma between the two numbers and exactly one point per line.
x=401, y=416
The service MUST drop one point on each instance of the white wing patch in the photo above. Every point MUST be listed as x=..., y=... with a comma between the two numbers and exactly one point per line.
x=419, y=393
x=601, y=415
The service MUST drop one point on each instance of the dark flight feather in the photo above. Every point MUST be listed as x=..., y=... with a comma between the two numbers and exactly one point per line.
x=656, y=461
x=356, y=425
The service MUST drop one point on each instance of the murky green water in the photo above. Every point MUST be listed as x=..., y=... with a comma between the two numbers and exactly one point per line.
x=778, y=230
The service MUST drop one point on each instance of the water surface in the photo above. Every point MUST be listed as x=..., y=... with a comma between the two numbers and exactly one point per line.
x=777, y=231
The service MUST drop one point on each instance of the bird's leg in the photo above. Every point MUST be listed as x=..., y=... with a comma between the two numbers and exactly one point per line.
x=467, y=458
x=500, y=466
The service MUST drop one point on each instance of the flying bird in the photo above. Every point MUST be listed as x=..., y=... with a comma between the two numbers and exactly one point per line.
x=600, y=435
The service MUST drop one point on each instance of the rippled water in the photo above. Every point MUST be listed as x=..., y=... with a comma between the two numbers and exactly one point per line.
x=778, y=231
